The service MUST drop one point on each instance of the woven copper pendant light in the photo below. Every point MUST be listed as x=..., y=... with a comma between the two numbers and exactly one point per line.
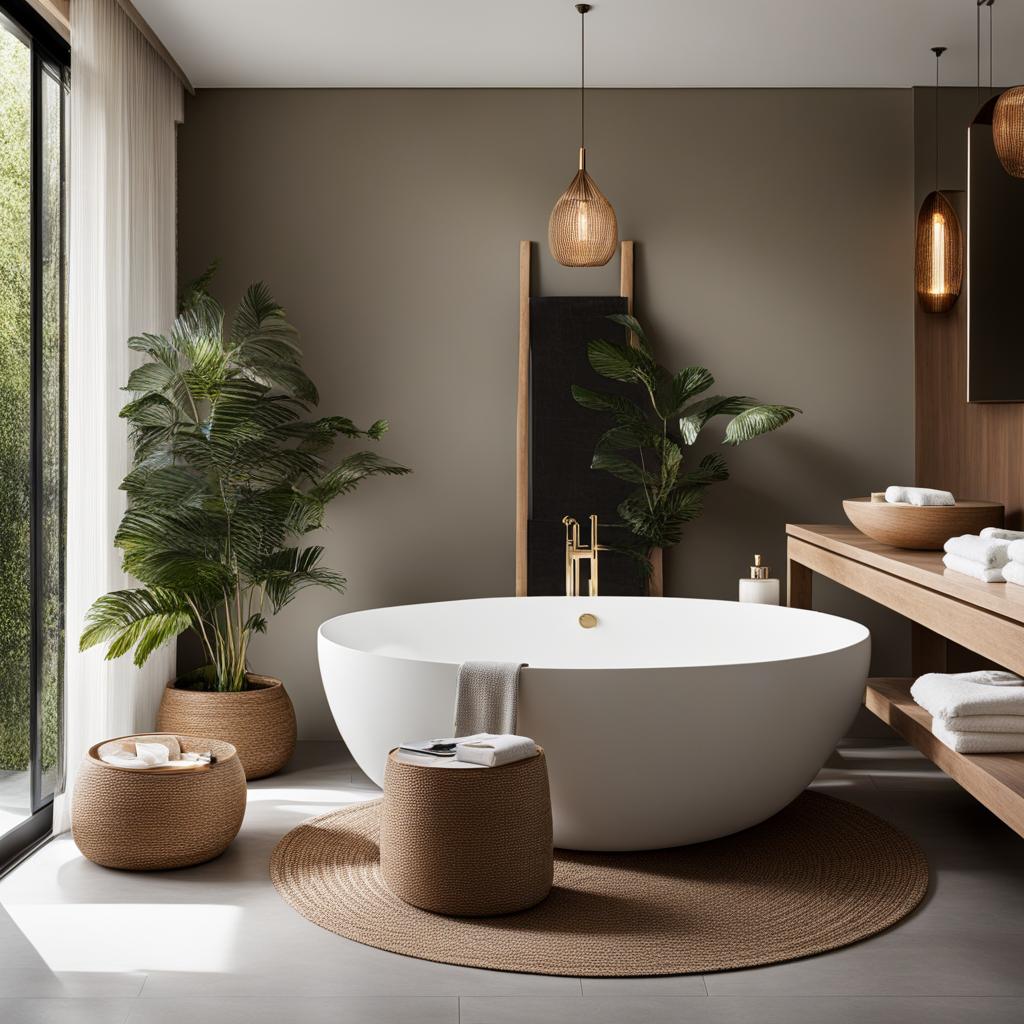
x=1008, y=130
x=582, y=230
x=939, y=256
x=1008, y=116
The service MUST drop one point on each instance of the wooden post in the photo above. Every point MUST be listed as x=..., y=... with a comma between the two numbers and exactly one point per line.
x=626, y=281
x=798, y=584
x=656, y=583
x=928, y=650
x=523, y=420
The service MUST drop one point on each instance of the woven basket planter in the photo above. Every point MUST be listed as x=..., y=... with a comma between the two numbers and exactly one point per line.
x=467, y=842
x=259, y=723
x=153, y=819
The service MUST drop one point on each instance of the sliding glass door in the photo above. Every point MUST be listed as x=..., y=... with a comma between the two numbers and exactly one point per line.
x=33, y=99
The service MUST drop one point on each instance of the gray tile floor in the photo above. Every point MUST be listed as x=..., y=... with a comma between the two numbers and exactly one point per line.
x=81, y=945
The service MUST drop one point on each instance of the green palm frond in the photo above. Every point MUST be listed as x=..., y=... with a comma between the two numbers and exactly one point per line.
x=757, y=420
x=658, y=428
x=144, y=619
x=228, y=470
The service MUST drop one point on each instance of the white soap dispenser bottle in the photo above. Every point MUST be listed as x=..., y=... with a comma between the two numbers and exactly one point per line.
x=761, y=587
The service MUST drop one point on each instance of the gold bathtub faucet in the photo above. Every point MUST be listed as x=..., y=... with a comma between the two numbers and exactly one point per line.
x=575, y=553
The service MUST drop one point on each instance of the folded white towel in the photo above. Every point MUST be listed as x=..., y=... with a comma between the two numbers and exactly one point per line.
x=493, y=750
x=957, y=563
x=978, y=742
x=1016, y=551
x=985, y=723
x=918, y=496
x=998, y=533
x=1013, y=572
x=987, y=692
x=989, y=552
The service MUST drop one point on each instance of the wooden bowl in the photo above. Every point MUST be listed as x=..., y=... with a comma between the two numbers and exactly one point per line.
x=924, y=527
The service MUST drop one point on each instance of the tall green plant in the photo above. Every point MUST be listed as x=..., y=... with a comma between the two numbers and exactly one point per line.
x=228, y=473
x=646, y=445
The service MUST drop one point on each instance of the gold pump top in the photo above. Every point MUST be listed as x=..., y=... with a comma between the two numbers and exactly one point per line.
x=758, y=571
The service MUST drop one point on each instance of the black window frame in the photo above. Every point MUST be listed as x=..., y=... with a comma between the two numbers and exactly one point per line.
x=47, y=47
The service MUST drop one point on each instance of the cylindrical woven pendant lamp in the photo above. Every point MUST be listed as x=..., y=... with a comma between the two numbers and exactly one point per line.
x=582, y=230
x=1008, y=130
x=940, y=262
x=939, y=255
x=1008, y=115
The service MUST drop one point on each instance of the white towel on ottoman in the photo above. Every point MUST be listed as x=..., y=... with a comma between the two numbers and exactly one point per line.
x=492, y=751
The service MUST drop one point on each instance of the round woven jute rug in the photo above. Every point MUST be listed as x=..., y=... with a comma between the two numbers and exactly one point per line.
x=820, y=874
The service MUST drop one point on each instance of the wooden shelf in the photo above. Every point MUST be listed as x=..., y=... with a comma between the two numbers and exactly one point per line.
x=923, y=568
x=995, y=780
x=987, y=618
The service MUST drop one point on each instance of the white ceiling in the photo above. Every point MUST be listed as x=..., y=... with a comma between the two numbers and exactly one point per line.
x=630, y=43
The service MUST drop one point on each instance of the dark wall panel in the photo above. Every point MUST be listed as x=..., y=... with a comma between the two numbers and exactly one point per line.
x=562, y=437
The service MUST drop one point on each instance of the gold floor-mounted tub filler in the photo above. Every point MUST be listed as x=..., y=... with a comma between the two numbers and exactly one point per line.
x=575, y=553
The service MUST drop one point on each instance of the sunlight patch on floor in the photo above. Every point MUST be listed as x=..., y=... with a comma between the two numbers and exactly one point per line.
x=110, y=937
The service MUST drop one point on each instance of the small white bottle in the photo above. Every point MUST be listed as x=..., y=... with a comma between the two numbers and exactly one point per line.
x=760, y=588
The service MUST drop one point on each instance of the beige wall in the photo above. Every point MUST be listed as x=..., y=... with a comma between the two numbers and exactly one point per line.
x=774, y=233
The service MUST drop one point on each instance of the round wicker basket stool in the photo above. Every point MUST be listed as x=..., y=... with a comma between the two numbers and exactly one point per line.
x=467, y=842
x=156, y=818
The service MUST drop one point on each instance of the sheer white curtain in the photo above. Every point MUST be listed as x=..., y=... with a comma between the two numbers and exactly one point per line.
x=125, y=103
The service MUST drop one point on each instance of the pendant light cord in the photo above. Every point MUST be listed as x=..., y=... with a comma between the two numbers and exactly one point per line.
x=938, y=51
x=990, y=6
x=977, y=46
x=583, y=73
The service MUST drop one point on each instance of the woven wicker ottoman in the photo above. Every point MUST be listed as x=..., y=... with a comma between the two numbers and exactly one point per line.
x=467, y=842
x=158, y=818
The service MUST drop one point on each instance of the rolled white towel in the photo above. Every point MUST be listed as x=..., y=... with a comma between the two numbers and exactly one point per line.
x=986, y=692
x=1013, y=572
x=918, y=496
x=990, y=552
x=1016, y=551
x=985, y=723
x=957, y=563
x=492, y=750
x=978, y=742
x=998, y=533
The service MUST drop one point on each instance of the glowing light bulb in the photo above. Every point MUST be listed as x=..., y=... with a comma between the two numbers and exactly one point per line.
x=938, y=281
x=582, y=221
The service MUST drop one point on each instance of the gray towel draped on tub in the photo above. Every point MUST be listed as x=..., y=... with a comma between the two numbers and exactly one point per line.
x=487, y=697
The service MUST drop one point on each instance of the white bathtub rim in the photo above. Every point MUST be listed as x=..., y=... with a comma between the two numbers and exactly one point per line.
x=863, y=635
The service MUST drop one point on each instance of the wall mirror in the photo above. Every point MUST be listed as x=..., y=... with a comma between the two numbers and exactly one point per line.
x=995, y=263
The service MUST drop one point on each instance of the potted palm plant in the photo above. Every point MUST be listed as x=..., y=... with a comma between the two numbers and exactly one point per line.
x=229, y=472
x=645, y=444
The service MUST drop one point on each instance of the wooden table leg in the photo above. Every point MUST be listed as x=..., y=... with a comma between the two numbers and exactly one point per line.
x=928, y=650
x=798, y=584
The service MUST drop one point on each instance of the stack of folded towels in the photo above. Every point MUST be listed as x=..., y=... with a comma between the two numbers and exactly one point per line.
x=985, y=556
x=974, y=712
x=1013, y=571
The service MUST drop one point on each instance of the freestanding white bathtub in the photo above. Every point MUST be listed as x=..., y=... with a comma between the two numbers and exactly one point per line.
x=671, y=721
